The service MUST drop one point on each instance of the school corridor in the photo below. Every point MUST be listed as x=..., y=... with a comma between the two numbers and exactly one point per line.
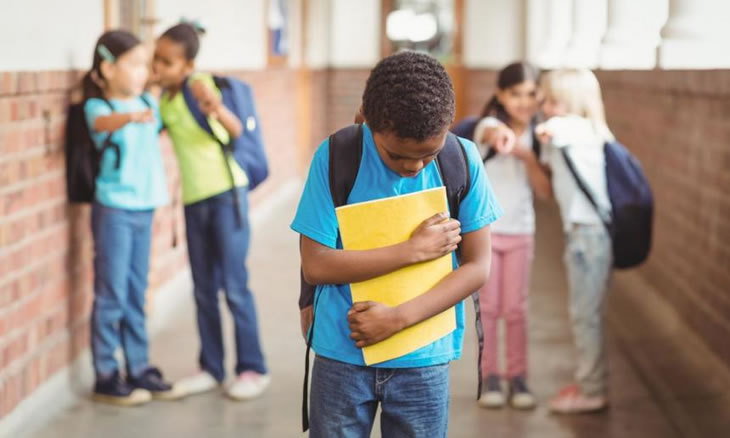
x=657, y=392
x=664, y=72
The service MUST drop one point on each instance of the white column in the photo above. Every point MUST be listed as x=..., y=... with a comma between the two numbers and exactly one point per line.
x=632, y=35
x=493, y=33
x=318, y=33
x=355, y=33
x=548, y=46
x=696, y=35
x=589, y=25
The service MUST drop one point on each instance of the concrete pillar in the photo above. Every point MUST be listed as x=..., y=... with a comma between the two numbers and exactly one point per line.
x=632, y=35
x=696, y=35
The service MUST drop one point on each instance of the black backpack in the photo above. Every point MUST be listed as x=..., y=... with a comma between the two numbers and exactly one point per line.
x=83, y=158
x=345, y=154
x=465, y=129
x=632, y=204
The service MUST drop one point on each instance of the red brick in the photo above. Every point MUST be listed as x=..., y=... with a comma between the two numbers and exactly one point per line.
x=8, y=83
x=26, y=82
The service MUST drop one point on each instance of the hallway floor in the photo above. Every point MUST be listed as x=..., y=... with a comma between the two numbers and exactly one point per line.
x=274, y=263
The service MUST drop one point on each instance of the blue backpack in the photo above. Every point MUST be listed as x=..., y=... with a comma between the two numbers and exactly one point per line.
x=247, y=149
x=632, y=204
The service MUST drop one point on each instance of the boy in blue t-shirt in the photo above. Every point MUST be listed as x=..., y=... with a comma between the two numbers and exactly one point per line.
x=408, y=105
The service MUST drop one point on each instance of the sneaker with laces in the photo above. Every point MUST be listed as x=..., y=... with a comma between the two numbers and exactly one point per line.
x=248, y=385
x=570, y=400
x=200, y=382
x=151, y=380
x=492, y=396
x=520, y=396
x=114, y=390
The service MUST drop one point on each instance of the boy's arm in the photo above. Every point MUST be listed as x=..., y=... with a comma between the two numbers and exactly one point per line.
x=434, y=238
x=372, y=322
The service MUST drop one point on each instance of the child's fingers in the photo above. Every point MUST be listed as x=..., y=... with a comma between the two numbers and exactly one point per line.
x=435, y=219
x=361, y=306
x=451, y=225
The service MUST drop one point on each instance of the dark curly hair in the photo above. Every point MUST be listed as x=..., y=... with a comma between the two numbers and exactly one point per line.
x=409, y=94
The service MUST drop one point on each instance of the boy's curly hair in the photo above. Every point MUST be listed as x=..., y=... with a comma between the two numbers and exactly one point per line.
x=409, y=94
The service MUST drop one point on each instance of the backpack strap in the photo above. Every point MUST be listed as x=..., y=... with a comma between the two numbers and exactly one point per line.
x=536, y=146
x=583, y=186
x=108, y=143
x=345, y=155
x=227, y=149
x=454, y=166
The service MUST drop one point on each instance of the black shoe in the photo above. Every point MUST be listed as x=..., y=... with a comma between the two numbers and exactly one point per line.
x=152, y=381
x=116, y=391
x=520, y=396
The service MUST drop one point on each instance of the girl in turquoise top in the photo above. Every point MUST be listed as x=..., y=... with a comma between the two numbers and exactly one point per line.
x=130, y=185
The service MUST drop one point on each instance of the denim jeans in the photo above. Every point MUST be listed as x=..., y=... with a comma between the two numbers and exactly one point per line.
x=589, y=261
x=217, y=247
x=414, y=401
x=121, y=264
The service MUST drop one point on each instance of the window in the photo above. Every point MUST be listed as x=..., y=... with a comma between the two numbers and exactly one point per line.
x=423, y=25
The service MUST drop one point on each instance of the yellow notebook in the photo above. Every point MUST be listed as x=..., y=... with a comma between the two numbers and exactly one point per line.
x=385, y=222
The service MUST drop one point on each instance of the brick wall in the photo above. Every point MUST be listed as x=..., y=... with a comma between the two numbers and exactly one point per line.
x=678, y=124
x=45, y=244
x=345, y=88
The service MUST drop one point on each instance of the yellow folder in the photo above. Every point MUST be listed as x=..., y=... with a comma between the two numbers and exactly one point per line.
x=385, y=222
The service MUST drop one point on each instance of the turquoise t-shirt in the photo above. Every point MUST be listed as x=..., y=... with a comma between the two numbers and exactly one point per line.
x=139, y=182
x=316, y=219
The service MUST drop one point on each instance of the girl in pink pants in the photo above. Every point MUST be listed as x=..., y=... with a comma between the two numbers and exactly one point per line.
x=508, y=119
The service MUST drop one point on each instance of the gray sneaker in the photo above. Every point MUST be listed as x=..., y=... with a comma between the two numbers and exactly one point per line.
x=520, y=396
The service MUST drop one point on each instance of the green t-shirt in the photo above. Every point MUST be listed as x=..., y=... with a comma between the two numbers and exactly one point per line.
x=201, y=160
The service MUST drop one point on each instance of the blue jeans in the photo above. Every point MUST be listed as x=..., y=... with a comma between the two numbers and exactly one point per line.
x=589, y=262
x=344, y=398
x=217, y=247
x=121, y=264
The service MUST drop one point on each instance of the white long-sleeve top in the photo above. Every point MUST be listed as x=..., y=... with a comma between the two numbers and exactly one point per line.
x=584, y=145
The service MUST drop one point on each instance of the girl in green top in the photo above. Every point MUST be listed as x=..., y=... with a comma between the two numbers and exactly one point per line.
x=217, y=236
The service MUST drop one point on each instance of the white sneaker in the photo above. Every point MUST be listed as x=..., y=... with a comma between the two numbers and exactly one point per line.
x=492, y=396
x=248, y=385
x=198, y=383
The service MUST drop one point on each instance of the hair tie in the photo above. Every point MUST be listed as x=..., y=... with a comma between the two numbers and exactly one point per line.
x=105, y=53
x=195, y=24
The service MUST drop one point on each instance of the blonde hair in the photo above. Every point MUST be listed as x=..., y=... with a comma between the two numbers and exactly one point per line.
x=578, y=90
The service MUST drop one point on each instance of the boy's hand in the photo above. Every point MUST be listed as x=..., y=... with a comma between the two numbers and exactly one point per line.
x=146, y=116
x=372, y=322
x=208, y=101
x=501, y=138
x=305, y=320
x=435, y=237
